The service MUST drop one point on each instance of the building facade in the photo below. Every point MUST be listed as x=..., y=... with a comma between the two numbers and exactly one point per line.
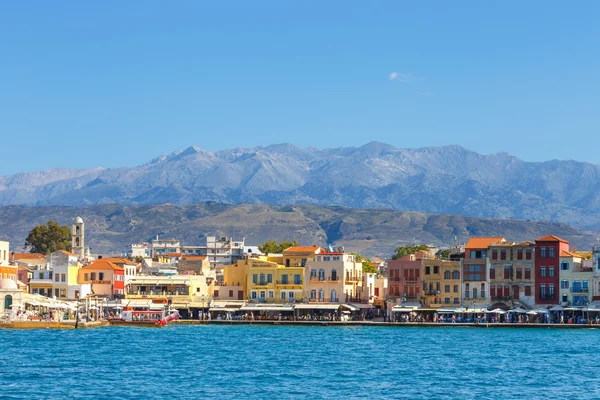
x=511, y=267
x=547, y=263
x=475, y=271
x=441, y=283
x=333, y=277
x=576, y=280
x=106, y=279
x=404, y=277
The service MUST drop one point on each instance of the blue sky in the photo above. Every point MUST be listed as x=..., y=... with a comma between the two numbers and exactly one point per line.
x=114, y=83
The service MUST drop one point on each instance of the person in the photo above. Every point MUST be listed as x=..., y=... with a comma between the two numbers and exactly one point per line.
x=562, y=318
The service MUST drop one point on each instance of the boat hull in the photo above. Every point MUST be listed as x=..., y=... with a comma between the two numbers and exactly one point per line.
x=148, y=324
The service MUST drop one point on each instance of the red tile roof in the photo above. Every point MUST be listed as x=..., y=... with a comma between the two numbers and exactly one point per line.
x=482, y=242
x=102, y=264
x=174, y=255
x=569, y=254
x=551, y=238
x=119, y=260
x=302, y=249
x=28, y=256
x=193, y=258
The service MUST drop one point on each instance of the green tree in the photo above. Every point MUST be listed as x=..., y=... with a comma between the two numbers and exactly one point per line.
x=443, y=254
x=366, y=264
x=271, y=246
x=48, y=238
x=403, y=251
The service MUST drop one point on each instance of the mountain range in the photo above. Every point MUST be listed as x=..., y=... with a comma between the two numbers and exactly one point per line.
x=448, y=179
x=111, y=228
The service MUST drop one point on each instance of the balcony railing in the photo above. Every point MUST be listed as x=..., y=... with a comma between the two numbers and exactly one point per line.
x=579, y=290
x=546, y=296
x=352, y=279
x=432, y=292
x=288, y=283
x=394, y=279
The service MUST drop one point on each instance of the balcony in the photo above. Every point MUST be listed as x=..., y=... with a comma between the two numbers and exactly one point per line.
x=394, y=279
x=411, y=279
x=432, y=292
x=579, y=290
x=174, y=296
x=550, y=296
x=352, y=279
x=295, y=283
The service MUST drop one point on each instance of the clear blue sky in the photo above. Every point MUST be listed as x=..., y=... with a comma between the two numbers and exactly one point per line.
x=114, y=83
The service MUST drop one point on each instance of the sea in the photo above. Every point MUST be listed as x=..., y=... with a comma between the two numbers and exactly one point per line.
x=300, y=362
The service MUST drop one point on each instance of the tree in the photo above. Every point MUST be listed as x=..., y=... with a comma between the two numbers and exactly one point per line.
x=366, y=264
x=48, y=238
x=403, y=251
x=444, y=254
x=271, y=246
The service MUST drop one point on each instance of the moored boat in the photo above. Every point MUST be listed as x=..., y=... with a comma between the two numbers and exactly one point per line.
x=157, y=318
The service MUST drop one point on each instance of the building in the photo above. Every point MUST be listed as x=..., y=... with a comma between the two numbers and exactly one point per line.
x=41, y=282
x=32, y=260
x=106, y=278
x=404, y=277
x=475, y=276
x=141, y=250
x=198, y=265
x=576, y=280
x=162, y=247
x=223, y=251
x=333, y=276
x=441, y=283
x=10, y=295
x=78, y=238
x=7, y=270
x=130, y=267
x=65, y=267
x=234, y=283
x=511, y=267
x=270, y=281
x=547, y=261
x=183, y=292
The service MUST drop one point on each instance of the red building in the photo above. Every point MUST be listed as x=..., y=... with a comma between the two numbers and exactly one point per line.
x=547, y=264
x=105, y=277
x=404, y=276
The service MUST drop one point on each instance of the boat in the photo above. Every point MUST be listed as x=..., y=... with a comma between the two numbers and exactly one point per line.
x=157, y=318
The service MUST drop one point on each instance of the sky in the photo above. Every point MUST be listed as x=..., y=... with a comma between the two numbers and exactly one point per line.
x=113, y=83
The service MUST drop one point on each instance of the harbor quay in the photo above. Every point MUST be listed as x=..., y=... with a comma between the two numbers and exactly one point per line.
x=488, y=281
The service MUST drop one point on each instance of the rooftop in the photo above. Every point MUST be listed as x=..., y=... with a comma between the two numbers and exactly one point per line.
x=302, y=249
x=482, y=242
x=102, y=264
x=551, y=238
x=28, y=256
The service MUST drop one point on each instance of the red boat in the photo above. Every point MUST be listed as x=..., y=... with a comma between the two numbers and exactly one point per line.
x=157, y=318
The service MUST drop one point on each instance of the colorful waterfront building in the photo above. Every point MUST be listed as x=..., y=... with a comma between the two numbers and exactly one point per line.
x=441, y=283
x=475, y=271
x=334, y=277
x=234, y=283
x=576, y=279
x=547, y=262
x=269, y=280
x=65, y=270
x=7, y=269
x=104, y=277
x=404, y=277
x=511, y=267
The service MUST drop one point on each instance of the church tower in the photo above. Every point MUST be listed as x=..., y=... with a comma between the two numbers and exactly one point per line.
x=77, y=242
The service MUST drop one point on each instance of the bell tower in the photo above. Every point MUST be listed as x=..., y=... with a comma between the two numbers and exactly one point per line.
x=78, y=238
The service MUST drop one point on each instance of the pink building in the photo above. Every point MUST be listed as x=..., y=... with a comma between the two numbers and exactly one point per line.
x=404, y=276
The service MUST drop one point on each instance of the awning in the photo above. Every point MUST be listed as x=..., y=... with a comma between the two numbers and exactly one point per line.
x=318, y=306
x=259, y=307
x=352, y=307
x=138, y=303
x=224, y=309
x=198, y=304
x=179, y=305
x=445, y=311
x=363, y=306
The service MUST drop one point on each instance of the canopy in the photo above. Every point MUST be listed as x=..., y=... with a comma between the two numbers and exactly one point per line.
x=317, y=306
x=519, y=310
x=445, y=311
x=498, y=311
x=461, y=310
x=532, y=312
x=270, y=307
x=225, y=309
x=557, y=308
x=572, y=309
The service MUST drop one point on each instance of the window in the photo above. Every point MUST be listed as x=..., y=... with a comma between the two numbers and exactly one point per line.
x=506, y=273
x=456, y=300
x=551, y=290
x=474, y=293
x=528, y=254
x=333, y=295
x=527, y=273
x=437, y=286
x=543, y=290
x=313, y=294
x=447, y=300
x=63, y=293
x=284, y=279
x=447, y=275
x=282, y=295
x=321, y=274
x=455, y=274
x=584, y=286
x=494, y=254
x=543, y=252
x=455, y=288
x=269, y=278
x=303, y=262
x=473, y=254
x=56, y=277
x=447, y=288
x=492, y=273
x=543, y=272
x=93, y=276
x=334, y=275
x=328, y=258
x=564, y=266
x=492, y=290
x=321, y=297
x=551, y=272
x=551, y=251
x=427, y=270
x=564, y=284
x=527, y=290
x=436, y=269
x=467, y=292
x=100, y=276
x=519, y=254
x=519, y=273
x=291, y=296
x=271, y=294
x=313, y=273
x=336, y=258
x=255, y=279
x=230, y=294
x=85, y=277
x=287, y=262
x=56, y=292
x=503, y=254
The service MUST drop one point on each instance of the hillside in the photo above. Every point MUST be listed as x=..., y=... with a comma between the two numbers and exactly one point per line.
x=449, y=179
x=112, y=228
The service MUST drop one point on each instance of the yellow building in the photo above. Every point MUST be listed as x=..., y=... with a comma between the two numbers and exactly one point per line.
x=270, y=281
x=441, y=283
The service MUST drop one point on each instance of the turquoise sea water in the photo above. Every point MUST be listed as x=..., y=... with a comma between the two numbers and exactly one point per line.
x=236, y=362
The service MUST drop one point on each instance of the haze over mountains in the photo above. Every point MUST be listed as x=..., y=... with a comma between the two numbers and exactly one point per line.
x=449, y=180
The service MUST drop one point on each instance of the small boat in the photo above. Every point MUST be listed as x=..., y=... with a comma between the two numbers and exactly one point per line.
x=157, y=318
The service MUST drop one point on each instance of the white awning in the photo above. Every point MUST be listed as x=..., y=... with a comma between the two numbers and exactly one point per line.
x=317, y=306
x=270, y=307
x=362, y=306
x=224, y=309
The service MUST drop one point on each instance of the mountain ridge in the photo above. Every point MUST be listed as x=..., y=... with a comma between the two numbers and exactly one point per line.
x=446, y=179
